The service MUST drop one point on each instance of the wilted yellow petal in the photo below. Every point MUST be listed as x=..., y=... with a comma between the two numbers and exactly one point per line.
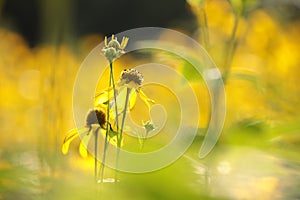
x=132, y=99
x=103, y=97
x=71, y=135
x=84, y=144
x=144, y=97
x=121, y=98
x=120, y=104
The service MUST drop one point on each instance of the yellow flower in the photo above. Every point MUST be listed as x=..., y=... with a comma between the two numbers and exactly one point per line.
x=95, y=122
x=114, y=49
x=130, y=78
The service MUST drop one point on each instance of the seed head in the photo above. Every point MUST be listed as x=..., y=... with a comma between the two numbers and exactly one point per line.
x=96, y=117
x=132, y=78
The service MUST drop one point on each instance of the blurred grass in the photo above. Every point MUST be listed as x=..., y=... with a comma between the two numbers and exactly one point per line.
x=257, y=156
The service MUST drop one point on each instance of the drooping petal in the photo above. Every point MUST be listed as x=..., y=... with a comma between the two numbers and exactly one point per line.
x=145, y=99
x=132, y=99
x=102, y=97
x=84, y=144
x=71, y=135
x=120, y=103
x=121, y=99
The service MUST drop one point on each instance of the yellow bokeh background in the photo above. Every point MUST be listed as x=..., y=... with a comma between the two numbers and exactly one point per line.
x=262, y=85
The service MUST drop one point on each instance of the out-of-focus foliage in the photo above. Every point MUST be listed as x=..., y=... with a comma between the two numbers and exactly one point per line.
x=264, y=70
x=256, y=158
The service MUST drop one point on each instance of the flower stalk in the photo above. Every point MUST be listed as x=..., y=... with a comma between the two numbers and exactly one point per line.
x=115, y=95
x=96, y=155
x=120, y=137
x=107, y=127
x=111, y=51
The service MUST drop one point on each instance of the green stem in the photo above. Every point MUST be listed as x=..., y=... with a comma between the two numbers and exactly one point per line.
x=107, y=126
x=96, y=155
x=105, y=148
x=231, y=49
x=124, y=113
x=119, y=140
x=115, y=96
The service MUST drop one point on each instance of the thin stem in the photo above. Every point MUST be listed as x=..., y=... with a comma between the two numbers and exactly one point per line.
x=231, y=49
x=124, y=113
x=121, y=132
x=105, y=148
x=115, y=96
x=144, y=139
x=107, y=127
x=96, y=154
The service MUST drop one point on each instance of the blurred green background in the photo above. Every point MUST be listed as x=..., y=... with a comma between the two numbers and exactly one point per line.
x=254, y=43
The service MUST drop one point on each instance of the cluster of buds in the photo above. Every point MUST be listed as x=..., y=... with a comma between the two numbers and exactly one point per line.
x=113, y=49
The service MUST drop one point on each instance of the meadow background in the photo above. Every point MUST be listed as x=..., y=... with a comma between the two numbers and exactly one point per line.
x=254, y=43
